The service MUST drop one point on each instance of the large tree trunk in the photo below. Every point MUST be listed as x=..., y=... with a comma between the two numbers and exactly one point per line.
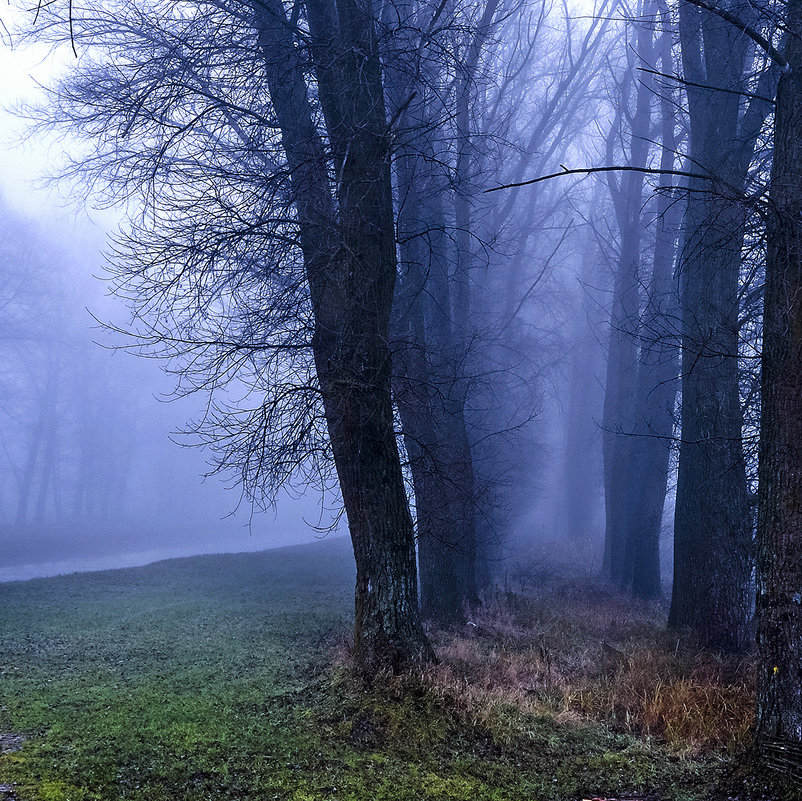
x=713, y=526
x=779, y=531
x=433, y=431
x=350, y=264
x=712, y=530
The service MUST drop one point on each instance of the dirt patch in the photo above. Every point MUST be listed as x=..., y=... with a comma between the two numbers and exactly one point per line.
x=8, y=743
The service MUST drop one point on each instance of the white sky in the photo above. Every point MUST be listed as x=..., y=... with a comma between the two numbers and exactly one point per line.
x=23, y=163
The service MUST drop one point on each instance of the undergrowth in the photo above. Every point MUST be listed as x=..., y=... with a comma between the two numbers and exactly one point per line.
x=573, y=650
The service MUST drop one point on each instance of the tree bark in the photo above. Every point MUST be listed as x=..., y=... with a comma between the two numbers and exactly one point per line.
x=349, y=256
x=779, y=530
x=713, y=526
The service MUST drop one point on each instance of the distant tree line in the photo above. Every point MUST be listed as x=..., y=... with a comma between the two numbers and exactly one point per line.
x=61, y=410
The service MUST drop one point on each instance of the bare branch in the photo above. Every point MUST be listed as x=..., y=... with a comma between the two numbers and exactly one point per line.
x=590, y=170
x=760, y=40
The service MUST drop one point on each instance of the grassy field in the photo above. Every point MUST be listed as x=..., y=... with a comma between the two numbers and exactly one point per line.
x=226, y=677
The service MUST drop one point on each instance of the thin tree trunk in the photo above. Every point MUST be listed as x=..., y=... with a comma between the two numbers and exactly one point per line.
x=466, y=491
x=622, y=360
x=658, y=368
x=48, y=486
x=38, y=439
x=581, y=489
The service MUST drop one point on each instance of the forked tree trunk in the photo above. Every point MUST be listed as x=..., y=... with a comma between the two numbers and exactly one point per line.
x=349, y=255
x=779, y=531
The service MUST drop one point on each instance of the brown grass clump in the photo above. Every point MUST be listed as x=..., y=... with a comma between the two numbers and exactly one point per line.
x=565, y=647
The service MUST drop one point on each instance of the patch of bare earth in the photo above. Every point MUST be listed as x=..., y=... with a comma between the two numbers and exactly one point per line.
x=9, y=742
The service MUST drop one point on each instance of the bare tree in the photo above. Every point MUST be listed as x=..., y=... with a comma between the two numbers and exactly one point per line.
x=622, y=354
x=264, y=252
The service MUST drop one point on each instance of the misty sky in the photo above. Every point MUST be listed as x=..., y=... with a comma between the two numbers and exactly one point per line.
x=23, y=164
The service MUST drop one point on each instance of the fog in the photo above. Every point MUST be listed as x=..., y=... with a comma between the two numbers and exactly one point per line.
x=504, y=297
x=95, y=470
x=455, y=311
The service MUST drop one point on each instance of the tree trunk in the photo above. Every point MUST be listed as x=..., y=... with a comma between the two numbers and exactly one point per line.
x=48, y=484
x=431, y=429
x=428, y=370
x=658, y=367
x=350, y=265
x=713, y=527
x=581, y=492
x=42, y=435
x=622, y=360
x=619, y=389
x=712, y=530
x=779, y=531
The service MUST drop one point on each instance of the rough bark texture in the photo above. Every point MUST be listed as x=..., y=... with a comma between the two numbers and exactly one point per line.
x=779, y=600
x=351, y=264
x=713, y=526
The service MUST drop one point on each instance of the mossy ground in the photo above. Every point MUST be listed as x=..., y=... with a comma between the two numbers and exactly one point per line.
x=213, y=678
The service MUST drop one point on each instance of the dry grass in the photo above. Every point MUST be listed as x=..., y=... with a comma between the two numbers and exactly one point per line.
x=563, y=646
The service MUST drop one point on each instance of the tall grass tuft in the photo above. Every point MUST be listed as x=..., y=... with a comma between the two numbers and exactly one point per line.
x=562, y=645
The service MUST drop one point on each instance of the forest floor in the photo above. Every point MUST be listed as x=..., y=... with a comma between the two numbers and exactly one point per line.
x=226, y=677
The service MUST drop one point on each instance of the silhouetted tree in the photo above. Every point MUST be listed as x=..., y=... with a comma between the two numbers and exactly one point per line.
x=429, y=368
x=713, y=554
x=265, y=254
x=648, y=450
x=622, y=353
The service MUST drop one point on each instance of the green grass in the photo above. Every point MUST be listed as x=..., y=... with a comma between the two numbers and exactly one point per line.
x=213, y=678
